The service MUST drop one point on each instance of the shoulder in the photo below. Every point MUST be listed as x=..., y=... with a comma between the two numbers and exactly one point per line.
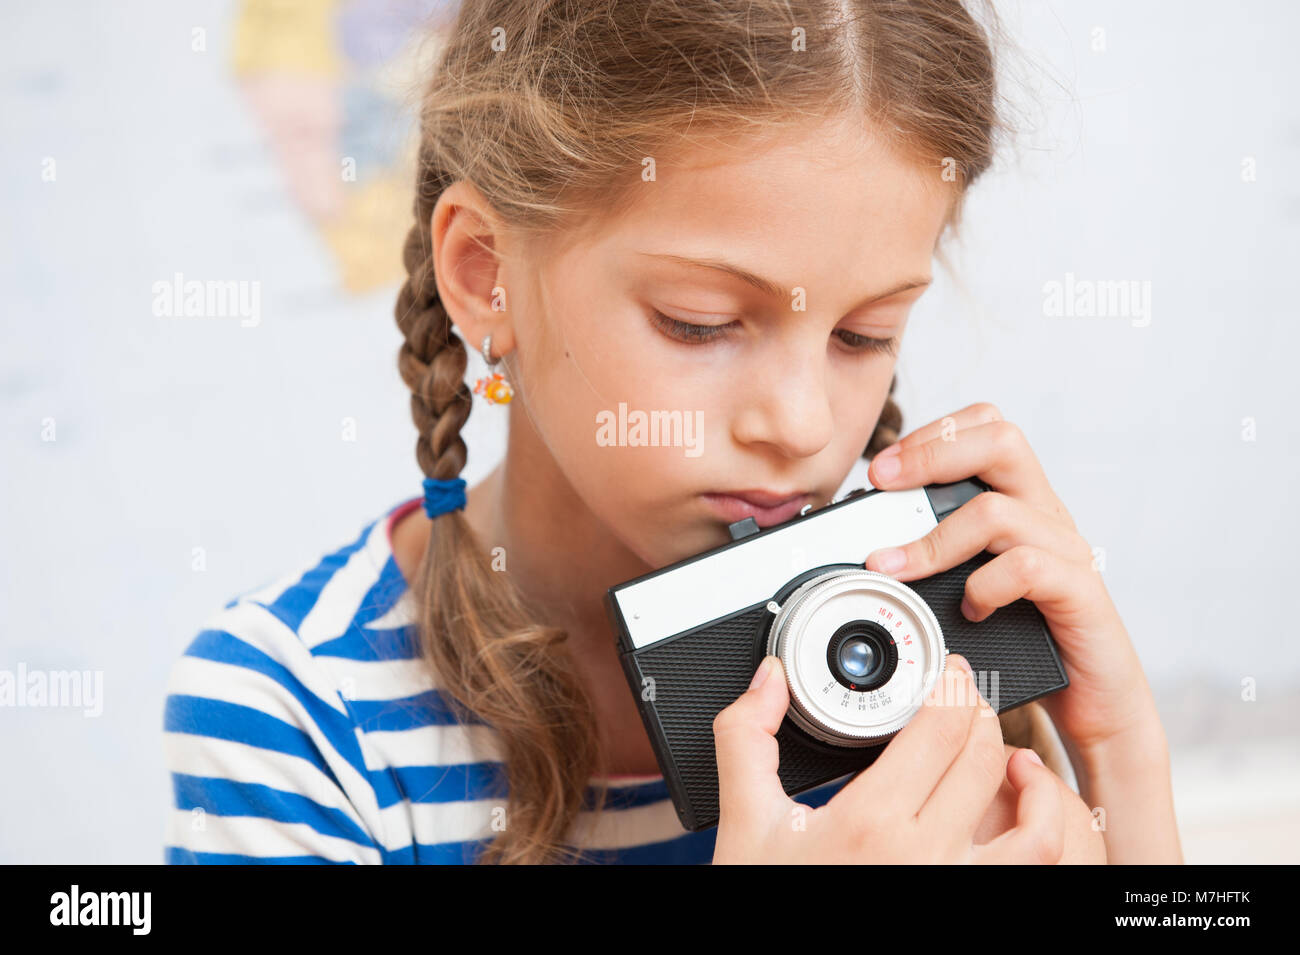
x=258, y=734
x=330, y=606
x=341, y=605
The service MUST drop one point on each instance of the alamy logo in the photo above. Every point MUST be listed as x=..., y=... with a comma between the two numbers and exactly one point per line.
x=53, y=688
x=675, y=429
x=1088, y=298
x=209, y=299
x=102, y=908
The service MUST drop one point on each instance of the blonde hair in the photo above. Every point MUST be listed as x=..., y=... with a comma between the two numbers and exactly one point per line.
x=548, y=109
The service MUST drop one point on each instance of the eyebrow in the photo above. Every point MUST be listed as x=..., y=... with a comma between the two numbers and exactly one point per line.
x=771, y=289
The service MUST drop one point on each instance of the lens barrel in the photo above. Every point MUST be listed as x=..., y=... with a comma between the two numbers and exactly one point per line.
x=862, y=655
x=860, y=651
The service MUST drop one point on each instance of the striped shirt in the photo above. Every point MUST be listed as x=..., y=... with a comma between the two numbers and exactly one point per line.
x=302, y=726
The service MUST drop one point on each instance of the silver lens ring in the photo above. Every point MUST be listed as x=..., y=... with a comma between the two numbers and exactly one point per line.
x=819, y=703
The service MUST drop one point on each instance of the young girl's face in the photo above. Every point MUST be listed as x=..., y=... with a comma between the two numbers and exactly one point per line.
x=781, y=386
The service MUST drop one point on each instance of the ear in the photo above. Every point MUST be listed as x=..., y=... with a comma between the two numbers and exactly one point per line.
x=467, y=236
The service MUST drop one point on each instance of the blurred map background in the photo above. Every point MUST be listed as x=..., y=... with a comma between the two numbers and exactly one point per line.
x=323, y=79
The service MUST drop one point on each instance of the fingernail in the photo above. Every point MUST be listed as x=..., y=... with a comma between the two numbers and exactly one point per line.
x=890, y=561
x=962, y=662
x=1034, y=756
x=761, y=674
x=967, y=610
x=887, y=465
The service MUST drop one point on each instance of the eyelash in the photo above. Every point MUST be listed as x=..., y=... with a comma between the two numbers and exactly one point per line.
x=702, y=334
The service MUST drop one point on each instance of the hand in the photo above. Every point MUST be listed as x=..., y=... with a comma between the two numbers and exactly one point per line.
x=1085, y=843
x=1041, y=556
x=921, y=801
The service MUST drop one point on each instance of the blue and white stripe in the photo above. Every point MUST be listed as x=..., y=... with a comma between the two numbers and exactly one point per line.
x=301, y=726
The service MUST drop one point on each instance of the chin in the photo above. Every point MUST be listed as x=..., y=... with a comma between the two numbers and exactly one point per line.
x=672, y=544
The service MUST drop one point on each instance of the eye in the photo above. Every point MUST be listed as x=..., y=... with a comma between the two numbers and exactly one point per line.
x=685, y=331
x=865, y=343
x=700, y=334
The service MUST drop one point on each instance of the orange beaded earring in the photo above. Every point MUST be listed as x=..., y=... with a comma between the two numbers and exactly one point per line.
x=494, y=388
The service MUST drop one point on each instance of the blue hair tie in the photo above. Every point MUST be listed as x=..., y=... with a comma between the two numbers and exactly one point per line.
x=443, y=496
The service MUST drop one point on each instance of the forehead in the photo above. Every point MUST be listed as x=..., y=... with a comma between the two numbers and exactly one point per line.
x=821, y=201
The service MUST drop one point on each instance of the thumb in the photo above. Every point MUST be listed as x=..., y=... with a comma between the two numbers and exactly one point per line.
x=1039, y=833
x=748, y=755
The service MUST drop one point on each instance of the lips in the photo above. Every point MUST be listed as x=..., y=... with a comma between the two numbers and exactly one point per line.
x=765, y=507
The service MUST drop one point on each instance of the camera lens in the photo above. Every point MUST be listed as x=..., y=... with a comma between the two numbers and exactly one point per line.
x=860, y=650
x=861, y=655
x=858, y=657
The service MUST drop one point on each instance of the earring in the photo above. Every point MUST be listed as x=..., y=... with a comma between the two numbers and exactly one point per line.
x=495, y=388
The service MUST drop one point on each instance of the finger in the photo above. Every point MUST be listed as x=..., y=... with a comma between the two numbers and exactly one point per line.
x=913, y=762
x=1065, y=591
x=961, y=799
x=990, y=521
x=980, y=413
x=747, y=753
x=996, y=452
x=1039, y=834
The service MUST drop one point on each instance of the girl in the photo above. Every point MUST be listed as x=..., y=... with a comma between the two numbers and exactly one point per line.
x=723, y=211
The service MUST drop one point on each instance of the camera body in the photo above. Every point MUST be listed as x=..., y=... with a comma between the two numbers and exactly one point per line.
x=860, y=649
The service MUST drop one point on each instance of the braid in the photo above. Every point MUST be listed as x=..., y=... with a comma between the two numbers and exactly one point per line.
x=491, y=661
x=432, y=360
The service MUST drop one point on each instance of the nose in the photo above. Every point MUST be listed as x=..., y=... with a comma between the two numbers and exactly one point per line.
x=787, y=405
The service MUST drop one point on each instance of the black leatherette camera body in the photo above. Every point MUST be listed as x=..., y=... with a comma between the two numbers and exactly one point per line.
x=683, y=678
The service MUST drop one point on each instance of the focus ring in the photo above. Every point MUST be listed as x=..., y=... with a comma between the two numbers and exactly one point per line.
x=791, y=622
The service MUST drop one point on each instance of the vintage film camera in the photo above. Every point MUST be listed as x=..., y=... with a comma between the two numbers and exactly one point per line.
x=860, y=649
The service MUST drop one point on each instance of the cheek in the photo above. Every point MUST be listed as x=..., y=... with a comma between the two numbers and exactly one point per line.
x=859, y=398
x=585, y=395
x=599, y=377
x=856, y=403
